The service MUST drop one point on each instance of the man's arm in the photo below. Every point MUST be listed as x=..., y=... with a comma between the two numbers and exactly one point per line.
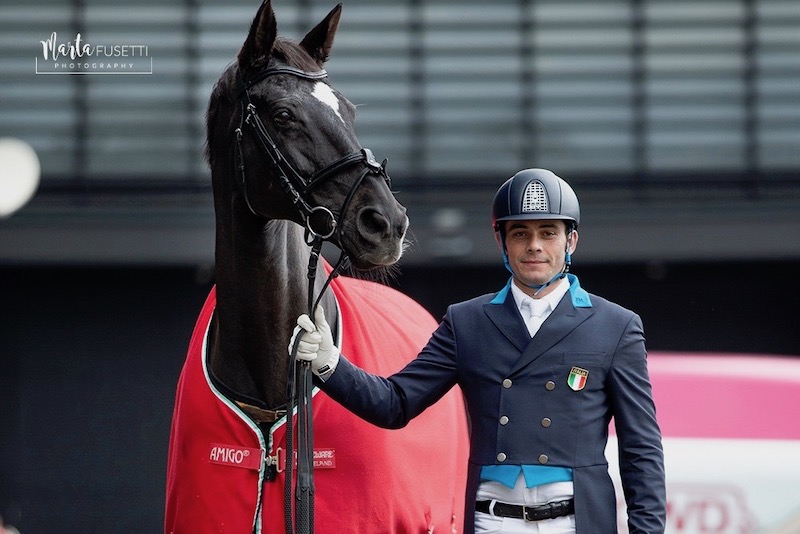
x=386, y=402
x=641, y=457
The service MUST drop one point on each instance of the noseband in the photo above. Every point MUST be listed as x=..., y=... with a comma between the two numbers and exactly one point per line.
x=293, y=183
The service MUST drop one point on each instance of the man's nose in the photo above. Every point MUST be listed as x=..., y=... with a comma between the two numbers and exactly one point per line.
x=533, y=244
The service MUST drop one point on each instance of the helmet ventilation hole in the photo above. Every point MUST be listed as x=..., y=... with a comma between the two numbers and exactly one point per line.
x=535, y=197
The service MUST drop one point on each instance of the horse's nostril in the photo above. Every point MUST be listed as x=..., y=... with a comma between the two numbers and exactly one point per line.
x=372, y=222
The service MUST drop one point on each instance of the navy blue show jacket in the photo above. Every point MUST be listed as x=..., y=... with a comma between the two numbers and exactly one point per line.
x=483, y=346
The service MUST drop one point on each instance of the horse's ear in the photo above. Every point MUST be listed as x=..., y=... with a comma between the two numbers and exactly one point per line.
x=258, y=45
x=319, y=41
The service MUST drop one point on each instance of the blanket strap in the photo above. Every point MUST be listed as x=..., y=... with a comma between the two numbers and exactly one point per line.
x=260, y=415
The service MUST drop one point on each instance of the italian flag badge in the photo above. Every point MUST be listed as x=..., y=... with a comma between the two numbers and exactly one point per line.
x=577, y=378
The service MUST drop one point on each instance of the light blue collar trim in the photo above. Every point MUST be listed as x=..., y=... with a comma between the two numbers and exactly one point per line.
x=502, y=294
x=578, y=296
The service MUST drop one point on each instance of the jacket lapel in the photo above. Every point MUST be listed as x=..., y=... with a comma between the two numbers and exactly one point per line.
x=507, y=319
x=563, y=320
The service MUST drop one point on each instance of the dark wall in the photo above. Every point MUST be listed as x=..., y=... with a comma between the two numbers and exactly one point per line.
x=735, y=307
x=90, y=358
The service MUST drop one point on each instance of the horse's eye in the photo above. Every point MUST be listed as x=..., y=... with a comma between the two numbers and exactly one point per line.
x=283, y=117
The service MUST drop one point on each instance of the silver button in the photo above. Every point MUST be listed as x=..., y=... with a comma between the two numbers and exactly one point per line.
x=546, y=422
x=507, y=383
x=543, y=458
x=501, y=457
x=504, y=420
x=550, y=386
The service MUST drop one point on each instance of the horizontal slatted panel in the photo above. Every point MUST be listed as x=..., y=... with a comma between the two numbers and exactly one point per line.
x=141, y=122
x=372, y=65
x=778, y=85
x=695, y=85
x=582, y=68
x=39, y=110
x=448, y=90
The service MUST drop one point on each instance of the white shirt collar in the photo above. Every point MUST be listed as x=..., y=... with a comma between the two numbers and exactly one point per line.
x=560, y=289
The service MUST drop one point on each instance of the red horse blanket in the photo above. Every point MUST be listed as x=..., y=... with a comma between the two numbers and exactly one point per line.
x=368, y=480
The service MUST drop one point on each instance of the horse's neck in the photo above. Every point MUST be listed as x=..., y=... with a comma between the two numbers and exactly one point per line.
x=262, y=287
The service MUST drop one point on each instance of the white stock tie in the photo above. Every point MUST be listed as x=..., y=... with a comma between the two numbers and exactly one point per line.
x=536, y=310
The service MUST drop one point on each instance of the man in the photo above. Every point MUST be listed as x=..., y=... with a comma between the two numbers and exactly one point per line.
x=543, y=366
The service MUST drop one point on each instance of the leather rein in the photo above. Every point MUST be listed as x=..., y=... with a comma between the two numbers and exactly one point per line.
x=320, y=225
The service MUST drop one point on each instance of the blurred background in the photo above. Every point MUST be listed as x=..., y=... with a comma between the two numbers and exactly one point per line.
x=677, y=122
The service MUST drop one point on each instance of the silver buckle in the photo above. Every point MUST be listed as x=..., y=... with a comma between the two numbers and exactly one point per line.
x=525, y=513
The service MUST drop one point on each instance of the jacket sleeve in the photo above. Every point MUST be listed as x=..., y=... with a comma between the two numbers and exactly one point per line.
x=392, y=402
x=641, y=457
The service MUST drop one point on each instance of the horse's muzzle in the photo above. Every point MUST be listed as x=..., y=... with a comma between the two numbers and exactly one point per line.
x=379, y=236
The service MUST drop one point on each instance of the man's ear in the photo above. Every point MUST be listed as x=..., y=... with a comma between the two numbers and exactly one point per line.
x=498, y=237
x=572, y=241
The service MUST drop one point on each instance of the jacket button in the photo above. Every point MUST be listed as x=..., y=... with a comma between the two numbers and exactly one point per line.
x=550, y=386
x=507, y=383
x=501, y=457
x=504, y=420
x=543, y=458
x=546, y=422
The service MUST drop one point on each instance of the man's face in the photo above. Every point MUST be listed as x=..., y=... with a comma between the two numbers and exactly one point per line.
x=536, y=249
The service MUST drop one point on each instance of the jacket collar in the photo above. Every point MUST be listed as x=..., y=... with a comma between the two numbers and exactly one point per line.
x=502, y=311
x=578, y=295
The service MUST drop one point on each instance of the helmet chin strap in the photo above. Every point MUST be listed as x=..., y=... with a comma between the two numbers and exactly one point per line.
x=540, y=287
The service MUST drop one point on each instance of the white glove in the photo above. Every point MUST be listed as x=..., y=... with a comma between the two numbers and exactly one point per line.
x=316, y=344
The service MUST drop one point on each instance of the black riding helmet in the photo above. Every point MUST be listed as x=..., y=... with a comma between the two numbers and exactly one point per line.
x=534, y=194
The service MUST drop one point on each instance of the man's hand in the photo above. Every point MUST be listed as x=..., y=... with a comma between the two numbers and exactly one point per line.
x=316, y=344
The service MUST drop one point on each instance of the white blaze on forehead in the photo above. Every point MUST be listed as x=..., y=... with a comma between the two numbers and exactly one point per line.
x=325, y=94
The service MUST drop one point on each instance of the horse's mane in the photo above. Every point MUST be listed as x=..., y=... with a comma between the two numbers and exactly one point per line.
x=293, y=55
x=225, y=90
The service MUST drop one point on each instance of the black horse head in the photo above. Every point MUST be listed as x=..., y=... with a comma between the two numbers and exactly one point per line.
x=281, y=145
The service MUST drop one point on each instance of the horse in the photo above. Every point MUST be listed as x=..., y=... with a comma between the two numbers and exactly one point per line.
x=287, y=172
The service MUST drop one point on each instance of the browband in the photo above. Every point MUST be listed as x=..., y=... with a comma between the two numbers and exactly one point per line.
x=244, y=85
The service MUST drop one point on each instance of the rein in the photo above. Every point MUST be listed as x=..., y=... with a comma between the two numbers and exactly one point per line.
x=320, y=224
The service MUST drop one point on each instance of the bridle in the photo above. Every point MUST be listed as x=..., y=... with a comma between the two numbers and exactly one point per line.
x=320, y=225
x=296, y=186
